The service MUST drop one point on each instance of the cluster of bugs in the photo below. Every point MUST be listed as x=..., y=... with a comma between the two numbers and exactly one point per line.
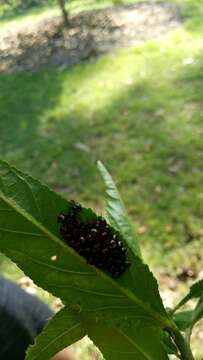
x=94, y=240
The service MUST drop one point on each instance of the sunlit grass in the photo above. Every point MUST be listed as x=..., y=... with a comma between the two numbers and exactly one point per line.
x=36, y=14
x=140, y=111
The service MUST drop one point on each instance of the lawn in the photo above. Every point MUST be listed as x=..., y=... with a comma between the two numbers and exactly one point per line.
x=9, y=17
x=138, y=110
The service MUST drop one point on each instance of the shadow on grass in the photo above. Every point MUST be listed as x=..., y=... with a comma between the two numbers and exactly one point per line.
x=147, y=132
x=18, y=11
x=34, y=137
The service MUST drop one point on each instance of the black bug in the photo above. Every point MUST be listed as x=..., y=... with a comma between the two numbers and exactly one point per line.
x=94, y=240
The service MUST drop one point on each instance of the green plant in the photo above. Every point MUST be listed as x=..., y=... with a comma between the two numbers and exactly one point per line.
x=125, y=317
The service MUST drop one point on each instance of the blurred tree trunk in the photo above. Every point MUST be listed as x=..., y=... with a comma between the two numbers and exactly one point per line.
x=64, y=12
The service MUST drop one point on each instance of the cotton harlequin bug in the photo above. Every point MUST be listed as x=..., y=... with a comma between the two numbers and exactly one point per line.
x=94, y=240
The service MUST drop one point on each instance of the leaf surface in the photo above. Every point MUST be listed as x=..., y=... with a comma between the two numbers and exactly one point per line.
x=29, y=235
x=186, y=320
x=198, y=312
x=135, y=339
x=62, y=330
x=116, y=212
x=196, y=290
x=183, y=319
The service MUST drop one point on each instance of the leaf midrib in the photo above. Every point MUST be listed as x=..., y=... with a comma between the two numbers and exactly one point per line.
x=141, y=350
x=163, y=322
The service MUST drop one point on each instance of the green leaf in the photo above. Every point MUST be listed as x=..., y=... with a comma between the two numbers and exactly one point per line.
x=196, y=290
x=198, y=312
x=29, y=236
x=183, y=319
x=186, y=320
x=116, y=212
x=62, y=330
x=135, y=339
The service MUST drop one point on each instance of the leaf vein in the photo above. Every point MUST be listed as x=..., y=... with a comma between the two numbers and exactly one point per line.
x=20, y=232
x=162, y=320
x=37, y=261
x=33, y=196
x=56, y=339
x=99, y=293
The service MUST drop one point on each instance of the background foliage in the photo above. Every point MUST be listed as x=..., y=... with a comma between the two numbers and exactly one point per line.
x=146, y=127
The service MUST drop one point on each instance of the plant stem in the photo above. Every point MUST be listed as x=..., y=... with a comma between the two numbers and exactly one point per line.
x=182, y=344
x=64, y=12
x=188, y=334
x=181, y=303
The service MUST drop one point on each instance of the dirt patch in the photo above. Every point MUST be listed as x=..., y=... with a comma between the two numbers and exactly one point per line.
x=90, y=34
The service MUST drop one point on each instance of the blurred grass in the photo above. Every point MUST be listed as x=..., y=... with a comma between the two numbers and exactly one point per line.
x=138, y=110
x=9, y=17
